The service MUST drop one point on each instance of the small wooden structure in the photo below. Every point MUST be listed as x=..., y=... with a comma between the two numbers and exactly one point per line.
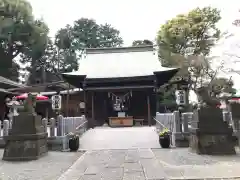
x=119, y=84
x=121, y=121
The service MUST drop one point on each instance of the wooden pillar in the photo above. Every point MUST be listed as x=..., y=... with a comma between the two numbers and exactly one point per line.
x=93, y=114
x=149, y=110
x=68, y=99
x=90, y=124
x=85, y=102
x=157, y=99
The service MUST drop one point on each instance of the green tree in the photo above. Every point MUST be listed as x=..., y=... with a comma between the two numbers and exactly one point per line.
x=187, y=39
x=86, y=33
x=195, y=32
x=63, y=54
x=52, y=63
x=144, y=42
x=20, y=34
x=66, y=49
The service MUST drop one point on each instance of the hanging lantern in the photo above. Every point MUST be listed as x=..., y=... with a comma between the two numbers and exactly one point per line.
x=180, y=97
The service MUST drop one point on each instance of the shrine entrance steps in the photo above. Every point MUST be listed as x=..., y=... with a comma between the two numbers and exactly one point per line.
x=119, y=138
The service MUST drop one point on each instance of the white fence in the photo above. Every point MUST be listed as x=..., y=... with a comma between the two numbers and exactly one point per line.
x=61, y=126
x=179, y=125
x=175, y=123
x=164, y=120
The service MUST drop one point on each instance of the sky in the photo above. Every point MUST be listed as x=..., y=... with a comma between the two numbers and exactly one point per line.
x=136, y=19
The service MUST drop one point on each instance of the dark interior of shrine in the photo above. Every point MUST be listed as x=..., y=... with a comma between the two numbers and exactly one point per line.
x=104, y=104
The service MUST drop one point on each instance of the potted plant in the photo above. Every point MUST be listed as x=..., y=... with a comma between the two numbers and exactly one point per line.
x=164, y=138
x=73, y=142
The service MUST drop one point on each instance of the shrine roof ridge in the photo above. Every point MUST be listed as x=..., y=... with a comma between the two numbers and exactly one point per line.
x=119, y=49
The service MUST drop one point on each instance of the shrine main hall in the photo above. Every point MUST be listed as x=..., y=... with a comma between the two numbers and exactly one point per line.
x=120, y=84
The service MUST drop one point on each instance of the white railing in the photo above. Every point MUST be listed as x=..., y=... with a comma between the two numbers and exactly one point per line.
x=60, y=126
x=175, y=123
x=164, y=120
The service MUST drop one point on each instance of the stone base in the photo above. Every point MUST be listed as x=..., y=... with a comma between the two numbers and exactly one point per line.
x=180, y=139
x=26, y=140
x=212, y=144
x=182, y=143
x=209, y=134
x=25, y=147
x=58, y=143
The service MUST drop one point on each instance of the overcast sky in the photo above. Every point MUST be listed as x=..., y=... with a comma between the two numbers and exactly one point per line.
x=136, y=19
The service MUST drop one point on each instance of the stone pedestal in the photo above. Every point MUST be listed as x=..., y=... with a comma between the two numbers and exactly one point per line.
x=209, y=134
x=27, y=139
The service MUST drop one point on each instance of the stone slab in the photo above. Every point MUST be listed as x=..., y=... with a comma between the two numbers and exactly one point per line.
x=90, y=177
x=134, y=176
x=178, y=157
x=152, y=169
x=93, y=170
x=146, y=154
x=132, y=167
x=112, y=173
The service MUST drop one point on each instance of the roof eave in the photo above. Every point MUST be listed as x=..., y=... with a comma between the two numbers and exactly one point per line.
x=165, y=76
x=74, y=80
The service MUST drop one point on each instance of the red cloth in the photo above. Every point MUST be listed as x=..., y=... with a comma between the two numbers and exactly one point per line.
x=25, y=95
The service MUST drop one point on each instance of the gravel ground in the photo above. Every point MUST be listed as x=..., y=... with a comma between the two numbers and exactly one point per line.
x=49, y=167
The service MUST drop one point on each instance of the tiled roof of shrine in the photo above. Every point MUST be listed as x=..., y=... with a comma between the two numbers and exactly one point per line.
x=119, y=62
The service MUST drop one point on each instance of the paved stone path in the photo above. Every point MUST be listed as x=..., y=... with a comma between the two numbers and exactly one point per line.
x=119, y=138
x=123, y=154
x=147, y=164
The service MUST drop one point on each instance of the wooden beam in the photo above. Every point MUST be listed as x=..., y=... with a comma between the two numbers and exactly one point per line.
x=119, y=88
x=149, y=110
